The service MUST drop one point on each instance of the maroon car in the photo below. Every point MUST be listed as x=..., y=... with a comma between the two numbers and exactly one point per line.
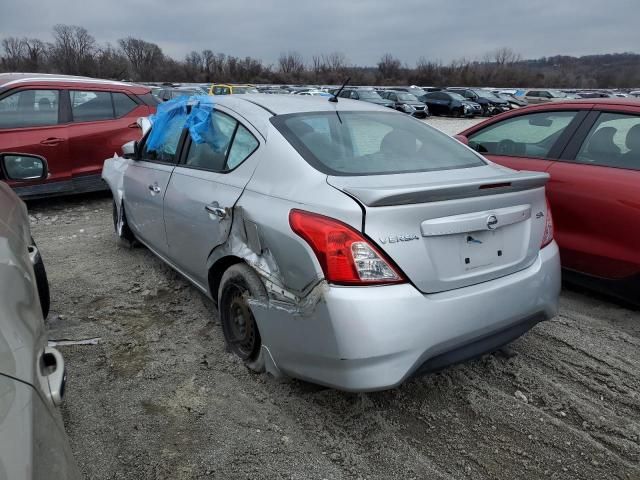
x=75, y=123
x=591, y=149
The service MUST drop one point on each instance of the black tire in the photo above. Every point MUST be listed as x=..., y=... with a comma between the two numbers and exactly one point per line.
x=457, y=112
x=124, y=232
x=240, y=329
x=42, y=283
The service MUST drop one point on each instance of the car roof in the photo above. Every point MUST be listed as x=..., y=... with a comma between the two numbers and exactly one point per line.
x=285, y=104
x=622, y=101
x=14, y=79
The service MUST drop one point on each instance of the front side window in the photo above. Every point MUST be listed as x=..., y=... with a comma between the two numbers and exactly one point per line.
x=369, y=143
x=161, y=146
x=614, y=141
x=91, y=106
x=530, y=135
x=29, y=108
x=226, y=145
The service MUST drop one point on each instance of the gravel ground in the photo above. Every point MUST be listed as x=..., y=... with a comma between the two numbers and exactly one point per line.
x=158, y=397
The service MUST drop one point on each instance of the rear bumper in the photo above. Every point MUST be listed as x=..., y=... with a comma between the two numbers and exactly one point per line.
x=374, y=338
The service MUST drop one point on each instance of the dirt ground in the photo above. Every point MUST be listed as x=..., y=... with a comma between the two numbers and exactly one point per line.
x=158, y=397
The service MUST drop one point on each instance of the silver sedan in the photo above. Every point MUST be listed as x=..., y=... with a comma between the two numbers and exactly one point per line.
x=343, y=243
x=33, y=443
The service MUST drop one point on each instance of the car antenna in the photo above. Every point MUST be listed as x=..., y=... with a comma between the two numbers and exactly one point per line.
x=334, y=97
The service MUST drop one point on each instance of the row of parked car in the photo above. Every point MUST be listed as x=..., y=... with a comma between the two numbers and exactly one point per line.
x=277, y=207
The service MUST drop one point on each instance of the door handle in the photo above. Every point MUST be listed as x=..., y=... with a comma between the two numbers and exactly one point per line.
x=52, y=141
x=216, y=210
x=134, y=125
x=154, y=189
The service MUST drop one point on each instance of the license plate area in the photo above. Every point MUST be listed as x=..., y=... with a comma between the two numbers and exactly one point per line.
x=482, y=249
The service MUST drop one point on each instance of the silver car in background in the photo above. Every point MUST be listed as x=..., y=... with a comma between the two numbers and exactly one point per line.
x=344, y=244
x=33, y=443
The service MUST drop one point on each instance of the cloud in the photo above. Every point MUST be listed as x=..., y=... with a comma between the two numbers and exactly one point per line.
x=362, y=30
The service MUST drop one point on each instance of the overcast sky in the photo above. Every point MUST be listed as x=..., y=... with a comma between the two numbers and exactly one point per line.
x=362, y=29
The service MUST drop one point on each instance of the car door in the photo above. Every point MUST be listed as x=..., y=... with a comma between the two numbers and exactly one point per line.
x=205, y=186
x=527, y=142
x=146, y=180
x=102, y=121
x=32, y=120
x=595, y=196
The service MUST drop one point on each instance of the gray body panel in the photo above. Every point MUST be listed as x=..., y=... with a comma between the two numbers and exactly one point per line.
x=358, y=338
x=33, y=444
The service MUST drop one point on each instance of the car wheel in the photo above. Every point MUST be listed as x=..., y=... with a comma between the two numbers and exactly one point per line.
x=42, y=282
x=123, y=232
x=457, y=112
x=239, y=326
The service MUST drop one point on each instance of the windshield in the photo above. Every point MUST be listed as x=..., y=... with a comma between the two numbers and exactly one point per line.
x=242, y=90
x=557, y=94
x=369, y=94
x=486, y=94
x=457, y=96
x=188, y=92
x=368, y=143
x=407, y=97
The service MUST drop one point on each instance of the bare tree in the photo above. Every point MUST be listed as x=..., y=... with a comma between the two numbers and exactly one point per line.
x=35, y=54
x=145, y=57
x=14, y=53
x=291, y=63
x=389, y=66
x=72, y=49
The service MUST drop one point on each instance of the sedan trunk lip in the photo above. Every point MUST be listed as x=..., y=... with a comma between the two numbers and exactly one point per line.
x=388, y=190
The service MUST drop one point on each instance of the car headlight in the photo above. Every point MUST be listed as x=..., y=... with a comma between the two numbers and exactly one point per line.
x=407, y=108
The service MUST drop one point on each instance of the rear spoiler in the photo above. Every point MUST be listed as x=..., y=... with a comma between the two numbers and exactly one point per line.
x=435, y=192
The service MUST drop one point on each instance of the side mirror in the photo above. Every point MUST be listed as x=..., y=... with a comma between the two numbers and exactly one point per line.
x=24, y=167
x=130, y=150
x=462, y=139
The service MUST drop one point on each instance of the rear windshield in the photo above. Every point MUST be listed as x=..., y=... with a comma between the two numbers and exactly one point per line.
x=370, y=143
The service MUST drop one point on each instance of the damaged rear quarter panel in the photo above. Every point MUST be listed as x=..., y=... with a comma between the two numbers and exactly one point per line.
x=262, y=237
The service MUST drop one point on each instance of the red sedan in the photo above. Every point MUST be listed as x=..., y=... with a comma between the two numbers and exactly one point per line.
x=591, y=149
x=74, y=123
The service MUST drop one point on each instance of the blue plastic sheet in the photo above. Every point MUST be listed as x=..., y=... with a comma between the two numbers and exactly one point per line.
x=193, y=113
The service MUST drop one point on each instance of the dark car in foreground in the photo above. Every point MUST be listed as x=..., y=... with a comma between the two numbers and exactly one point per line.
x=591, y=149
x=73, y=122
x=491, y=105
x=33, y=443
x=366, y=95
x=450, y=103
x=406, y=102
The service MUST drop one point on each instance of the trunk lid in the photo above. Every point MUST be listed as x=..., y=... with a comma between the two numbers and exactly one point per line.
x=453, y=228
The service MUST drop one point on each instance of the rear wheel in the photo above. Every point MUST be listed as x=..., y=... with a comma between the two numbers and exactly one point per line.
x=241, y=334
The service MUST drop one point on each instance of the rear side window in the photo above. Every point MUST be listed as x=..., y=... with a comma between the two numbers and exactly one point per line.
x=244, y=144
x=29, y=108
x=122, y=104
x=91, y=106
x=370, y=143
x=531, y=135
x=614, y=141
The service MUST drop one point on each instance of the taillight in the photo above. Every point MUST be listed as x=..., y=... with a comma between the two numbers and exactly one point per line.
x=346, y=257
x=547, y=237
